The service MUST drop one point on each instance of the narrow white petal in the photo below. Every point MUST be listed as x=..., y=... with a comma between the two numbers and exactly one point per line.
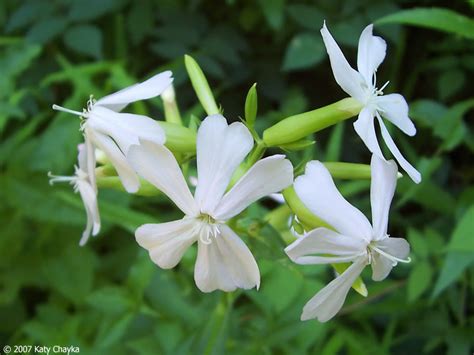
x=89, y=199
x=364, y=127
x=348, y=79
x=125, y=128
x=167, y=242
x=370, y=54
x=141, y=91
x=327, y=302
x=156, y=164
x=317, y=191
x=410, y=170
x=220, y=150
x=381, y=265
x=90, y=162
x=269, y=175
x=314, y=247
x=382, y=189
x=225, y=264
x=109, y=147
x=394, y=108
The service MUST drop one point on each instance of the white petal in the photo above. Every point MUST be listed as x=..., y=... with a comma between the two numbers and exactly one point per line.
x=370, y=54
x=327, y=302
x=410, y=170
x=109, y=147
x=156, y=164
x=141, y=91
x=225, y=264
x=220, y=150
x=125, y=128
x=269, y=175
x=348, y=79
x=90, y=162
x=364, y=126
x=167, y=242
x=89, y=199
x=315, y=245
x=394, y=108
x=382, y=188
x=317, y=191
x=381, y=265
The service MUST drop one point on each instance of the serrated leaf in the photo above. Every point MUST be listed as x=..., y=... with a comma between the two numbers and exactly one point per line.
x=435, y=18
x=303, y=51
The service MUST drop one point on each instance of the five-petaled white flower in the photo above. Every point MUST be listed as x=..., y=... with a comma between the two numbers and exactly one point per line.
x=354, y=239
x=84, y=183
x=361, y=86
x=114, y=132
x=223, y=261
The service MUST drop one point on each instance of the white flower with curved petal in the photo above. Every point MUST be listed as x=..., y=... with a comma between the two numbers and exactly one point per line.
x=84, y=183
x=113, y=132
x=361, y=86
x=354, y=238
x=223, y=262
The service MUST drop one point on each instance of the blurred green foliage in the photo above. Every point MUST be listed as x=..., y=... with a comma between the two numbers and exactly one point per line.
x=108, y=297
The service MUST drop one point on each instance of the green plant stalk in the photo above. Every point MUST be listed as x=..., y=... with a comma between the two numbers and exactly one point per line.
x=296, y=127
x=339, y=170
x=113, y=182
x=256, y=153
x=201, y=86
x=170, y=106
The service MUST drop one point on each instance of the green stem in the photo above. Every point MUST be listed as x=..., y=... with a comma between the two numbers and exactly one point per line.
x=170, y=106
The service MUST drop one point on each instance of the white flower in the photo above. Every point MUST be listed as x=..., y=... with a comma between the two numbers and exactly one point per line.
x=84, y=183
x=114, y=133
x=361, y=86
x=223, y=262
x=354, y=239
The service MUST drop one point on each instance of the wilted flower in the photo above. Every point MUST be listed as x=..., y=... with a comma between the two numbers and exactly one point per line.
x=84, y=183
x=223, y=262
x=361, y=85
x=354, y=238
x=114, y=132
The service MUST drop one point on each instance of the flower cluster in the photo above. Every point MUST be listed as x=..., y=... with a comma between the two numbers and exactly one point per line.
x=231, y=175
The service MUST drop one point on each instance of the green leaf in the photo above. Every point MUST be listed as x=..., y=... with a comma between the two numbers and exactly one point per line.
x=454, y=265
x=419, y=280
x=110, y=300
x=251, y=104
x=450, y=83
x=46, y=30
x=462, y=238
x=304, y=51
x=71, y=273
x=84, y=39
x=435, y=18
x=86, y=10
x=273, y=11
x=306, y=15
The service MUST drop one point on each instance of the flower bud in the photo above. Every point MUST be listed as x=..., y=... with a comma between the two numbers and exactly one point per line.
x=299, y=126
x=201, y=86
